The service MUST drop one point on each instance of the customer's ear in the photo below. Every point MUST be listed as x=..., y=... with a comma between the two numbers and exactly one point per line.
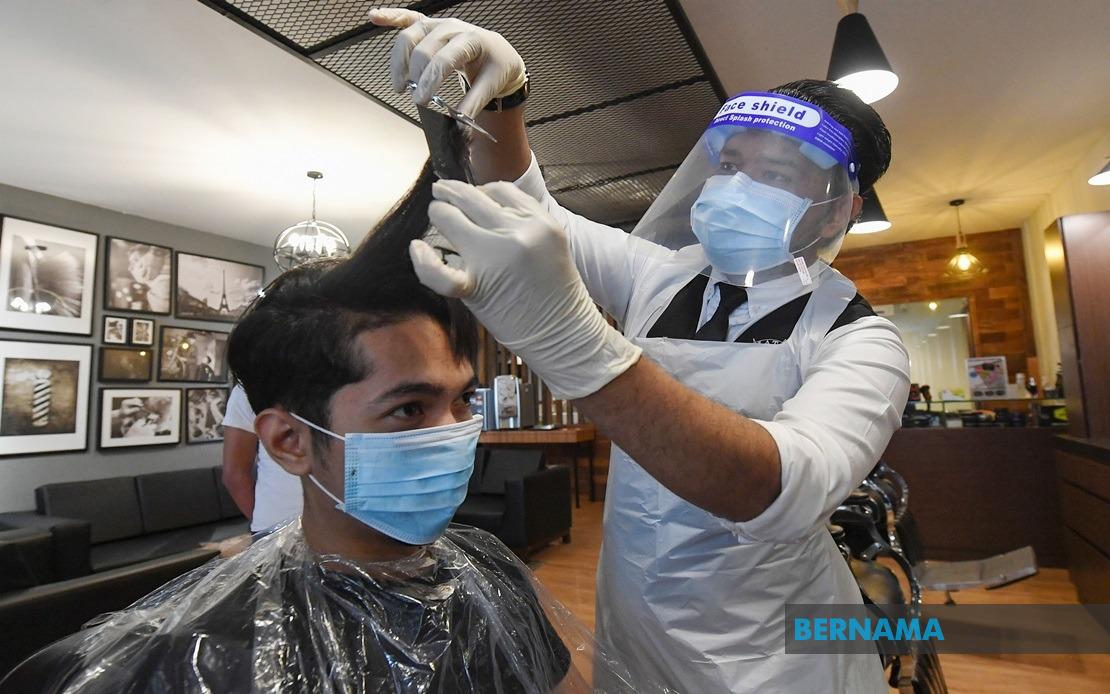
x=288, y=441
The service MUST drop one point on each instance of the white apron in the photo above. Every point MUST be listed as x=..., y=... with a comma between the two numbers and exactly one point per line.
x=681, y=599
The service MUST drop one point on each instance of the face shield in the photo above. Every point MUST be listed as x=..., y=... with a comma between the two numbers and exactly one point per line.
x=767, y=191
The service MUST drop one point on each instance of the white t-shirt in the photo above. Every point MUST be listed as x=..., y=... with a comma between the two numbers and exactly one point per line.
x=277, y=494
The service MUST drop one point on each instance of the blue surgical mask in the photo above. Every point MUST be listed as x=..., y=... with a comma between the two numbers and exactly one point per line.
x=743, y=225
x=406, y=484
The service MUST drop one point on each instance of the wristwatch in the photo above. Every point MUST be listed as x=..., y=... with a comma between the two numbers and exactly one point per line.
x=515, y=99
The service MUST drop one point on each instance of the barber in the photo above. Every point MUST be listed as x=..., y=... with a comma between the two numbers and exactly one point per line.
x=752, y=388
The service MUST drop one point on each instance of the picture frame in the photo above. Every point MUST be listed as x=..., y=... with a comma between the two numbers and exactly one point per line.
x=44, y=397
x=214, y=289
x=142, y=331
x=139, y=417
x=204, y=414
x=138, y=276
x=114, y=331
x=192, y=355
x=47, y=276
x=125, y=365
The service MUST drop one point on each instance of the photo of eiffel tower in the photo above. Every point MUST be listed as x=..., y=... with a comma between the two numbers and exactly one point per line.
x=215, y=289
x=224, y=308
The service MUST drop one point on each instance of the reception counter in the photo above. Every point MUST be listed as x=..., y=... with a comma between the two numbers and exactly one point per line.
x=979, y=491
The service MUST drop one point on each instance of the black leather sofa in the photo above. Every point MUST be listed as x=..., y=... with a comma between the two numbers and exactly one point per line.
x=131, y=519
x=512, y=495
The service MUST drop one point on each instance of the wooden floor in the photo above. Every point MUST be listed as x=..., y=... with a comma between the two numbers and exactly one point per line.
x=568, y=572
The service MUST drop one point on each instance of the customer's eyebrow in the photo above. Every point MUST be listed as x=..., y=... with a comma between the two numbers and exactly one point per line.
x=420, y=388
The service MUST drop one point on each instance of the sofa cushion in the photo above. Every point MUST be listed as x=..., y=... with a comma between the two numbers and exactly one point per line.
x=177, y=499
x=111, y=555
x=481, y=511
x=110, y=505
x=228, y=508
x=504, y=464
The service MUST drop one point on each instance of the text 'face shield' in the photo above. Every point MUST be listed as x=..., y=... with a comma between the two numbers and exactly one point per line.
x=766, y=191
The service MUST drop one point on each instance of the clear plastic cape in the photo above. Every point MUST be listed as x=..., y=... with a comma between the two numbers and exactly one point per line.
x=461, y=615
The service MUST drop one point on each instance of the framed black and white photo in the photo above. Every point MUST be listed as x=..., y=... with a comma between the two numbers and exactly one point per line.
x=126, y=364
x=44, y=397
x=131, y=417
x=115, y=330
x=215, y=289
x=137, y=276
x=142, y=331
x=204, y=414
x=193, y=356
x=46, y=277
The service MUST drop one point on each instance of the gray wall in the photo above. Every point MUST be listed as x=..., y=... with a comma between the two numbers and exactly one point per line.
x=19, y=475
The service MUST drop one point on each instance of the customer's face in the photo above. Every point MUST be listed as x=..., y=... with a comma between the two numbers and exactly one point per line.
x=415, y=382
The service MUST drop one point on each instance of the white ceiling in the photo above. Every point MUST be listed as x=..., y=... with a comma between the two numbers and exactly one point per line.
x=166, y=109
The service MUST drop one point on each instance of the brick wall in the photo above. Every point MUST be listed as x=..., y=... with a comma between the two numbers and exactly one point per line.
x=914, y=271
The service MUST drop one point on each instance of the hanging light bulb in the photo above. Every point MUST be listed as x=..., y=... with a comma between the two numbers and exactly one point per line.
x=963, y=265
x=310, y=239
x=858, y=62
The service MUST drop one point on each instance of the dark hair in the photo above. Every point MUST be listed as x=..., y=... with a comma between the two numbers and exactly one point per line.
x=295, y=346
x=869, y=135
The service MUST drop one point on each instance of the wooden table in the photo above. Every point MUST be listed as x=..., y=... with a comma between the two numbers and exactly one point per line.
x=574, y=436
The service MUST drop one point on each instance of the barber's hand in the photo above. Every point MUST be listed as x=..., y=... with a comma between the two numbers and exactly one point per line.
x=429, y=49
x=518, y=278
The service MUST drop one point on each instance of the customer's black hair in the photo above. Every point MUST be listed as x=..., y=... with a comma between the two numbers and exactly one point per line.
x=869, y=135
x=296, y=344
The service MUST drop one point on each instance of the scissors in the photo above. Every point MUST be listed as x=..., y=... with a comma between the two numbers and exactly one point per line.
x=453, y=112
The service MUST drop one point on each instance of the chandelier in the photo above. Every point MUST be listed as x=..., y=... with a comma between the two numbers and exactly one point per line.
x=311, y=239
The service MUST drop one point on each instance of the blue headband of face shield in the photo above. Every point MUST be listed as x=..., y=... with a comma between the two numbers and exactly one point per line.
x=406, y=484
x=821, y=139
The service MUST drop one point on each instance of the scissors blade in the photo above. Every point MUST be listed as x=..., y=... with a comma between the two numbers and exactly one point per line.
x=458, y=115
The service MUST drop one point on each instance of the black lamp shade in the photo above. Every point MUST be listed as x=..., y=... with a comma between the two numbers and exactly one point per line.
x=872, y=217
x=856, y=50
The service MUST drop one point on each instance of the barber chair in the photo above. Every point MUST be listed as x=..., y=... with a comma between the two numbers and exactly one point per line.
x=872, y=523
x=891, y=491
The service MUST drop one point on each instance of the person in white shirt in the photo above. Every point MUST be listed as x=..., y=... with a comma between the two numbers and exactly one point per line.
x=262, y=490
x=749, y=389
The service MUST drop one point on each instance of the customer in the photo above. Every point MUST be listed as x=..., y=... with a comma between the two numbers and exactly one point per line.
x=361, y=390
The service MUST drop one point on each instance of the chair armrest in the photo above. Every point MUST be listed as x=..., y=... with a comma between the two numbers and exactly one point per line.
x=537, y=507
x=70, y=555
x=49, y=612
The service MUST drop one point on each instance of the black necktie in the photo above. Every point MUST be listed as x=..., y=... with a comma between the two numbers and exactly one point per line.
x=716, y=328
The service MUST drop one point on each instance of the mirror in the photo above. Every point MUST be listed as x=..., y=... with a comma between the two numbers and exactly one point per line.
x=938, y=338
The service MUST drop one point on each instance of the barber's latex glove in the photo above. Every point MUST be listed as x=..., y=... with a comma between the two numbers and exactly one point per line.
x=427, y=50
x=518, y=278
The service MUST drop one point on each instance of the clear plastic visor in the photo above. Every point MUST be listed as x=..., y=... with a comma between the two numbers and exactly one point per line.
x=747, y=203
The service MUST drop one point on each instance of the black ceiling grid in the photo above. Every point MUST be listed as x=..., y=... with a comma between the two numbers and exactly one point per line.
x=620, y=90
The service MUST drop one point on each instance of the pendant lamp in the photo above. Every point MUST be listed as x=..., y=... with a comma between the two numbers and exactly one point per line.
x=310, y=239
x=963, y=265
x=872, y=218
x=858, y=62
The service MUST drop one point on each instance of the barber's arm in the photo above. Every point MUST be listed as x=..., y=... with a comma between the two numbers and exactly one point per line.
x=774, y=478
